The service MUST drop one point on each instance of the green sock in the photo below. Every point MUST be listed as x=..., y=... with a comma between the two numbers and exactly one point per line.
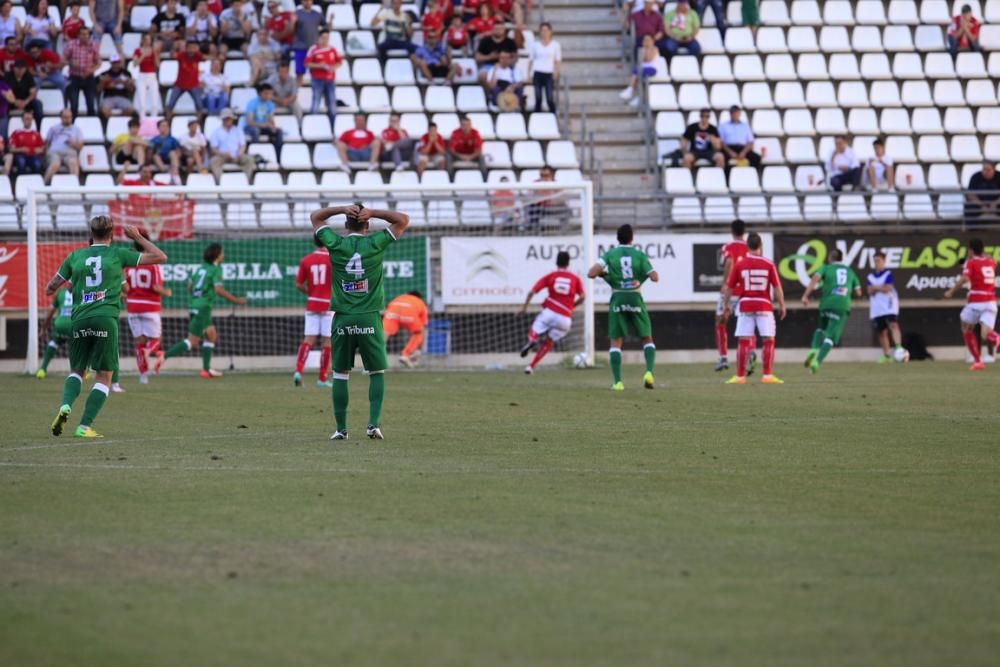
x=71, y=389
x=649, y=352
x=95, y=401
x=824, y=350
x=114, y=377
x=615, y=356
x=179, y=347
x=341, y=397
x=50, y=351
x=206, y=355
x=376, y=392
x=817, y=340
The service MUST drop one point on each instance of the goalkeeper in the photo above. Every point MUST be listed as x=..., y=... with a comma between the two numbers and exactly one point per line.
x=407, y=311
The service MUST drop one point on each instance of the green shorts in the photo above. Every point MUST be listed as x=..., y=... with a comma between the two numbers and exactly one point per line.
x=93, y=344
x=201, y=319
x=627, y=311
x=361, y=332
x=750, y=13
x=832, y=323
x=62, y=329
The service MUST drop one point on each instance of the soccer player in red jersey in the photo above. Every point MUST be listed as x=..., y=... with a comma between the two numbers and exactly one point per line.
x=731, y=253
x=755, y=276
x=314, y=280
x=144, y=286
x=565, y=292
x=979, y=274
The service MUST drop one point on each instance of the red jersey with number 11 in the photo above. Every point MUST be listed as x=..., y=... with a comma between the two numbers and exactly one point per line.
x=563, y=288
x=142, y=298
x=314, y=271
x=982, y=275
x=755, y=276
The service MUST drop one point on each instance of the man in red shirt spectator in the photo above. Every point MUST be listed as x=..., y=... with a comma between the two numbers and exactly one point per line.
x=187, y=78
x=396, y=141
x=465, y=145
x=83, y=58
x=646, y=21
x=963, y=35
x=323, y=61
x=27, y=148
x=281, y=25
x=45, y=65
x=358, y=145
x=72, y=23
x=10, y=54
x=436, y=17
x=431, y=150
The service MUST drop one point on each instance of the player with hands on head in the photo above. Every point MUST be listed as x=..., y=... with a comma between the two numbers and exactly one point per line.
x=564, y=293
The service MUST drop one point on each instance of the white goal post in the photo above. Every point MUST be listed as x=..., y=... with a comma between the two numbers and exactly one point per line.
x=472, y=251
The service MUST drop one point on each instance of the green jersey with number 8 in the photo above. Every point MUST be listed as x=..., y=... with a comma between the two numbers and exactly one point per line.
x=626, y=268
x=203, y=283
x=356, y=262
x=97, y=274
x=839, y=282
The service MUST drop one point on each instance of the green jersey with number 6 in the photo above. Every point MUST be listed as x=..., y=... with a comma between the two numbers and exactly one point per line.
x=356, y=261
x=838, y=282
x=626, y=268
x=96, y=273
x=203, y=283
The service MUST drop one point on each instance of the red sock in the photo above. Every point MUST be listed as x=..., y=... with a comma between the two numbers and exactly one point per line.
x=742, y=356
x=300, y=361
x=721, y=341
x=768, y=356
x=542, y=351
x=753, y=342
x=532, y=336
x=993, y=338
x=972, y=343
x=153, y=346
x=140, y=358
x=324, y=363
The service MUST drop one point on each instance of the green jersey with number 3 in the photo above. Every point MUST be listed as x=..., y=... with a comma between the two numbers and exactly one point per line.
x=203, y=283
x=96, y=273
x=626, y=268
x=838, y=282
x=356, y=262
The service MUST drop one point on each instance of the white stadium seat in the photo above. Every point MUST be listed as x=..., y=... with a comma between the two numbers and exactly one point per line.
x=907, y=66
x=716, y=68
x=662, y=96
x=821, y=94
x=376, y=98
x=988, y=120
x=980, y=93
x=806, y=12
x=852, y=207
x=991, y=148
x=470, y=98
x=439, y=98
x=900, y=148
x=875, y=66
x=678, y=181
x=867, y=39
x=404, y=99
x=932, y=148
x=894, y=120
x=778, y=67
x=802, y=39
x=834, y=39
x=948, y=93
x=543, y=126
x=818, y=207
x=885, y=94
x=910, y=177
x=774, y=12
x=497, y=154
x=692, y=96
x=767, y=123
x=743, y=180
x=770, y=40
x=852, y=94
x=770, y=150
x=511, y=127
x=844, y=66
x=903, y=12
x=756, y=96
x=870, y=12
x=341, y=17
x=917, y=94
x=831, y=121
x=970, y=65
x=897, y=38
x=812, y=67
x=669, y=124
x=884, y=206
x=724, y=95
x=927, y=120
x=740, y=40
x=685, y=68
x=799, y=122
x=800, y=150
x=862, y=121
x=789, y=95
x=366, y=71
x=928, y=38
x=295, y=156
x=959, y=120
x=838, y=12
x=966, y=148
x=942, y=177
x=934, y=11
x=711, y=180
x=561, y=155
x=777, y=179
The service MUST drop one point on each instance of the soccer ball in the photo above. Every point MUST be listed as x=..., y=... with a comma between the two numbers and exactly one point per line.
x=901, y=355
x=580, y=360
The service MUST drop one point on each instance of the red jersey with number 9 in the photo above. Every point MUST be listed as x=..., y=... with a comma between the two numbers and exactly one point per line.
x=314, y=272
x=563, y=288
x=142, y=298
x=982, y=275
x=755, y=276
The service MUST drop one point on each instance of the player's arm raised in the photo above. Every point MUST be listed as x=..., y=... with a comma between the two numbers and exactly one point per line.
x=231, y=298
x=318, y=218
x=150, y=253
x=398, y=222
x=810, y=288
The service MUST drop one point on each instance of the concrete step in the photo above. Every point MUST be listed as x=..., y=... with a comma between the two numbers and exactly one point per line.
x=594, y=45
x=578, y=16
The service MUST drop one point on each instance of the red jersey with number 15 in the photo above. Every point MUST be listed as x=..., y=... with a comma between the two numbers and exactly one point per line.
x=142, y=298
x=755, y=276
x=563, y=288
x=314, y=271
x=982, y=275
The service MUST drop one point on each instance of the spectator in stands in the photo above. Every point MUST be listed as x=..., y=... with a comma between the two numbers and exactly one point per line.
x=879, y=170
x=549, y=203
x=645, y=67
x=545, y=61
x=432, y=60
x=46, y=66
x=23, y=92
x=83, y=58
x=39, y=27
x=750, y=14
x=202, y=27
x=470, y=9
x=166, y=151
x=508, y=11
x=259, y=118
x=483, y=24
x=286, y=90
x=64, y=143
x=465, y=145
x=169, y=26
x=188, y=78
x=489, y=50
x=194, y=145
x=398, y=29
x=433, y=20
x=129, y=147
x=27, y=148
x=236, y=27
x=308, y=21
x=145, y=178
x=12, y=52
x=264, y=54
x=457, y=36
x=680, y=31
x=983, y=198
x=503, y=205
x=737, y=140
x=430, y=150
x=281, y=25
x=215, y=88
x=229, y=146
x=71, y=24
x=108, y=17
x=6, y=97
x=358, y=145
x=647, y=22
x=506, y=84
x=701, y=142
x=397, y=142
x=148, y=57
x=10, y=25
x=843, y=168
x=720, y=15
x=323, y=61
x=963, y=34
x=117, y=88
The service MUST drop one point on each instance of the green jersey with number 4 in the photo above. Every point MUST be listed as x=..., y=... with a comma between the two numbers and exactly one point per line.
x=203, y=283
x=626, y=268
x=838, y=282
x=356, y=261
x=96, y=273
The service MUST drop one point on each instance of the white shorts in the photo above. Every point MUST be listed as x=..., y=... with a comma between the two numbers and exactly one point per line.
x=983, y=312
x=762, y=321
x=145, y=324
x=733, y=302
x=319, y=324
x=552, y=323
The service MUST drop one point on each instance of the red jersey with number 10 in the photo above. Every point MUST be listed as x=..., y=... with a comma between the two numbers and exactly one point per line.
x=142, y=298
x=755, y=276
x=563, y=288
x=982, y=275
x=314, y=271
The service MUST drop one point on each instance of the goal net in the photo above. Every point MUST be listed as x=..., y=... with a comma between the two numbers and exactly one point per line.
x=473, y=252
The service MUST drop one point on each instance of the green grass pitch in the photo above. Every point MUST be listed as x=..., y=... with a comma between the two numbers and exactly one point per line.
x=845, y=519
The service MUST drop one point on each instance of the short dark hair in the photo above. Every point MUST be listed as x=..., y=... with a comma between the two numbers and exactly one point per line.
x=754, y=242
x=319, y=244
x=352, y=224
x=417, y=294
x=879, y=253
x=625, y=234
x=212, y=252
x=545, y=24
x=738, y=227
x=134, y=122
x=977, y=247
x=878, y=142
x=263, y=87
x=562, y=259
x=836, y=255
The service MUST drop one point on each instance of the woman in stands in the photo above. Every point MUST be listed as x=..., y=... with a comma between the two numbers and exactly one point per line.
x=544, y=64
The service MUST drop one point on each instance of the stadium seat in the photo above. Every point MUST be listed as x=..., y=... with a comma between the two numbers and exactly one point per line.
x=993, y=65
x=799, y=122
x=851, y=207
x=439, y=98
x=802, y=39
x=692, y=96
x=341, y=17
x=852, y=94
x=812, y=67
x=884, y=206
x=917, y=207
x=903, y=12
x=739, y=40
x=316, y=127
x=885, y=94
x=870, y=12
x=669, y=124
x=561, y=155
x=989, y=37
x=742, y=180
x=376, y=98
x=774, y=12
x=896, y=38
x=844, y=66
x=928, y=38
x=777, y=179
x=295, y=156
x=778, y=67
x=769, y=40
x=958, y=120
x=685, y=68
x=755, y=96
x=789, y=95
x=470, y=98
x=719, y=209
x=907, y=66
x=875, y=66
x=806, y=12
x=991, y=12
x=360, y=43
x=785, y=209
x=446, y=122
x=239, y=98
x=767, y=123
x=942, y=177
x=24, y=183
x=867, y=39
x=662, y=96
x=769, y=149
x=834, y=39
x=717, y=68
x=711, y=180
x=483, y=122
x=116, y=125
x=724, y=95
x=894, y=120
x=414, y=123
x=970, y=65
x=980, y=93
x=817, y=207
x=366, y=71
x=917, y=94
x=510, y=127
x=821, y=94
x=678, y=181
x=988, y=120
x=543, y=126
x=800, y=150
x=748, y=67
x=838, y=12
x=237, y=72
x=710, y=41
x=934, y=11
x=965, y=148
x=910, y=177
x=900, y=148
x=948, y=93
x=932, y=148
x=399, y=72
x=862, y=121
x=496, y=154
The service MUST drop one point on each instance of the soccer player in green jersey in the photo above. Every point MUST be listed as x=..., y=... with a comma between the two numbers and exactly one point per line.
x=205, y=284
x=96, y=274
x=625, y=268
x=357, y=298
x=839, y=284
x=59, y=317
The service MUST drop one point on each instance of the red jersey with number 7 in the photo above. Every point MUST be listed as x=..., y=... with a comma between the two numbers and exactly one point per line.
x=982, y=275
x=314, y=272
x=563, y=288
x=755, y=276
x=142, y=297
